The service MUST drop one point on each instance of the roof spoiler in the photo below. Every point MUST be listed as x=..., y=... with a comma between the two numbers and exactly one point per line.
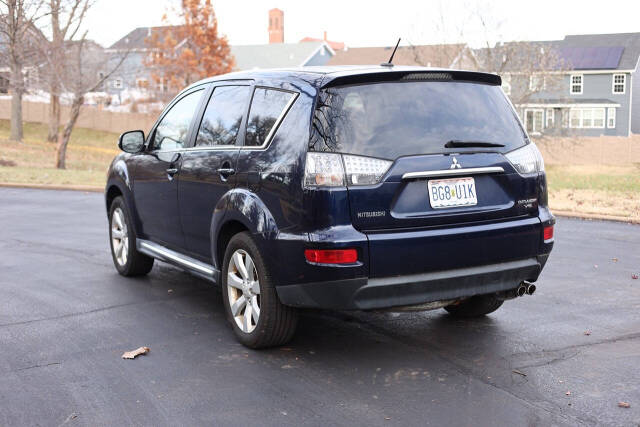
x=413, y=75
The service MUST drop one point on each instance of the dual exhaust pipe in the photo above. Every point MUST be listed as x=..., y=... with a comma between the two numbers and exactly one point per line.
x=524, y=288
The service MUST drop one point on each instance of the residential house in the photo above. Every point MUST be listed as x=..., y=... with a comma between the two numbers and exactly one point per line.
x=133, y=74
x=32, y=60
x=583, y=87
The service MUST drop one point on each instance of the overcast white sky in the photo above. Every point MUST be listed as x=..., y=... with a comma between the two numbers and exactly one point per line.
x=380, y=23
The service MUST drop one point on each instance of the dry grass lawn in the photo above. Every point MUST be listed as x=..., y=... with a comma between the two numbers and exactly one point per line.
x=33, y=161
x=585, y=175
x=594, y=175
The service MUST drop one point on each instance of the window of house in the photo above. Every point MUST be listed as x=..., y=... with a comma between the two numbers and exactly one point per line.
x=550, y=118
x=267, y=106
x=586, y=118
x=506, y=83
x=598, y=117
x=611, y=117
x=536, y=82
x=619, y=81
x=565, y=118
x=576, y=84
x=533, y=119
x=172, y=131
x=223, y=116
x=117, y=83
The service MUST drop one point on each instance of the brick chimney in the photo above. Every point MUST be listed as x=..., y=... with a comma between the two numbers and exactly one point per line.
x=276, y=26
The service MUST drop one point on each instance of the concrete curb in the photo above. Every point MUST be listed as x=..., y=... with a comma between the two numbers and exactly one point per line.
x=90, y=188
x=590, y=216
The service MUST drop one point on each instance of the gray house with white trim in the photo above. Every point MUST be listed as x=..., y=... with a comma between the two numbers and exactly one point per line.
x=134, y=74
x=598, y=91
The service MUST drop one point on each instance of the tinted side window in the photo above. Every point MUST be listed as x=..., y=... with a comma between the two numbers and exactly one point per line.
x=171, y=133
x=223, y=116
x=267, y=105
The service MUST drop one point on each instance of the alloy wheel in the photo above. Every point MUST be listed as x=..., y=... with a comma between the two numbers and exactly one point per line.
x=243, y=289
x=119, y=237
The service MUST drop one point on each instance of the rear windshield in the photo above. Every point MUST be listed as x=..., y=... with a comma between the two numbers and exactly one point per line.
x=389, y=120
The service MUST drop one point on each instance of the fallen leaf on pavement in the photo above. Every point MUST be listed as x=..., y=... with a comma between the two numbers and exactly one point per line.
x=634, y=276
x=614, y=259
x=624, y=404
x=568, y=393
x=587, y=332
x=134, y=353
x=515, y=371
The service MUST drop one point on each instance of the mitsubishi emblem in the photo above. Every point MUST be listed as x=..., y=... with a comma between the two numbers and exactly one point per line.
x=455, y=164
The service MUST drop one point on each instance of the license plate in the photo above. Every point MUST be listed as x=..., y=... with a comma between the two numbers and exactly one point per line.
x=446, y=193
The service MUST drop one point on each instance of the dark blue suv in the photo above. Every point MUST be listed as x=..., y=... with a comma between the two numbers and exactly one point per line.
x=352, y=188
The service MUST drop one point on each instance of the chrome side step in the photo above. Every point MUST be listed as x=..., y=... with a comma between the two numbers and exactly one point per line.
x=189, y=264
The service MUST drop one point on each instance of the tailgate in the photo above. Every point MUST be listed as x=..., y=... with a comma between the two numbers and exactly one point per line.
x=482, y=187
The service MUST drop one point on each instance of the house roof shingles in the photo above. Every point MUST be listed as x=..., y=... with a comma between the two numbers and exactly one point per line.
x=429, y=55
x=575, y=52
x=136, y=39
x=630, y=42
x=332, y=44
x=274, y=55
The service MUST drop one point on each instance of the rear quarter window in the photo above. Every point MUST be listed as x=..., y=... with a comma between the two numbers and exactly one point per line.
x=394, y=119
x=267, y=108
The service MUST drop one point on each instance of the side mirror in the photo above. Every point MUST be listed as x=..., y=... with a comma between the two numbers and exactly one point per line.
x=132, y=141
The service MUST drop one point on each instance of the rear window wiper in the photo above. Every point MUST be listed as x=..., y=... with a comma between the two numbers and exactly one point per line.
x=455, y=143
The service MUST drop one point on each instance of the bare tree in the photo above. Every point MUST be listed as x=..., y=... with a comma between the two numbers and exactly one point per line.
x=66, y=18
x=527, y=67
x=17, y=25
x=83, y=72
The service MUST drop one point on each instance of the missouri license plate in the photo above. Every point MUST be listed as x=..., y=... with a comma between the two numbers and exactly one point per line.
x=447, y=193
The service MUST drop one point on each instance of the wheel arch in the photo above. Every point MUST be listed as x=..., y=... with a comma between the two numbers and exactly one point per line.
x=119, y=184
x=237, y=211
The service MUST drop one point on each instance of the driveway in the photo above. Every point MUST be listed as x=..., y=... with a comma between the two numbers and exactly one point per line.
x=565, y=356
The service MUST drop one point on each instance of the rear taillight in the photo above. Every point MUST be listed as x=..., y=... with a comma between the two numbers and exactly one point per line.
x=361, y=170
x=331, y=256
x=548, y=233
x=323, y=169
x=336, y=170
x=527, y=159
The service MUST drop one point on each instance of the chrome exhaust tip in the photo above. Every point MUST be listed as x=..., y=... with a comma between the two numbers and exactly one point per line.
x=531, y=288
x=521, y=290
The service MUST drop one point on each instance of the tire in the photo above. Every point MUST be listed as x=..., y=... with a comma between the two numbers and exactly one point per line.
x=275, y=323
x=122, y=240
x=475, y=306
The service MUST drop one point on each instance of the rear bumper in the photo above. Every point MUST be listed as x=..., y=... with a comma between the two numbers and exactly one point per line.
x=376, y=293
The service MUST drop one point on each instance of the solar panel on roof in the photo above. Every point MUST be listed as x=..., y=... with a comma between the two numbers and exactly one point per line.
x=589, y=58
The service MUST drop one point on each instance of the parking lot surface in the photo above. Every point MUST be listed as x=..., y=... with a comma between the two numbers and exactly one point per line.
x=564, y=356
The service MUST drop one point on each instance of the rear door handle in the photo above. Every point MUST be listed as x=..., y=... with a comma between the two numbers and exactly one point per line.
x=225, y=172
x=172, y=171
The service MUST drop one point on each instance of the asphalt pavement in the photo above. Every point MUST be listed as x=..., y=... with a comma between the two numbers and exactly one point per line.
x=564, y=356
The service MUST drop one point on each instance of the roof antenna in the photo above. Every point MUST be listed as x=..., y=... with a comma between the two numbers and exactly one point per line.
x=390, y=64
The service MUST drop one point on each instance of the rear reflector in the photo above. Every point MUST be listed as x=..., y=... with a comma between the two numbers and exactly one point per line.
x=548, y=232
x=331, y=256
